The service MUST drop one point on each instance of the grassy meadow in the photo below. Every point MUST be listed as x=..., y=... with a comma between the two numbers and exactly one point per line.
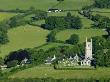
x=48, y=71
x=83, y=33
x=5, y=16
x=43, y=4
x=23, y=37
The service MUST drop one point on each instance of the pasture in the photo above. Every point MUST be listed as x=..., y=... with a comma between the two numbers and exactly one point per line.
x=23, y=37
x=43, y=4
x=83, y=33
x=5, y=16
x=48, y=71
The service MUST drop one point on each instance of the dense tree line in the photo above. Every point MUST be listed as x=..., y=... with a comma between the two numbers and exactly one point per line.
x=102, y=3
x=61, y=22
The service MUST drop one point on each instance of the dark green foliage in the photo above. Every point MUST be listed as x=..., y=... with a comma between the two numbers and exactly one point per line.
x=103, y=58
x=107, y=44
x=51, y=36
x=62, y=22
x=98, y=43
x=17, y=55
x=102, y=3
x=37, y=56
x=17, y=21
x=3, y=37
x=102, y=51
x=53, y=22
x=74, y=39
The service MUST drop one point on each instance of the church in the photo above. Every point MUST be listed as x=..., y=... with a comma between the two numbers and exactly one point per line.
x=76, y=60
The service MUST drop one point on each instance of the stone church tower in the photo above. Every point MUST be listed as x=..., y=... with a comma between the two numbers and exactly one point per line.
x=88, y=50
x=88, y=54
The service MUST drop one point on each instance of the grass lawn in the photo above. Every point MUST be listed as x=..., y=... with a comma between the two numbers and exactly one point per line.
x=24, y=37
x=103, y=12
x=4, y=15
x=83, y=33
x=41, y=72
x=43, y=4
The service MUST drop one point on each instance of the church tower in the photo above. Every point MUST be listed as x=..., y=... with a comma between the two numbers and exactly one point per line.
x=88, y=49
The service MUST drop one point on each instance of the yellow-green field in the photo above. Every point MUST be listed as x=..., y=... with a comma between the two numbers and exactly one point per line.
x=24, y=37
x=41, y=72
x=5, y=16
x=83, y=33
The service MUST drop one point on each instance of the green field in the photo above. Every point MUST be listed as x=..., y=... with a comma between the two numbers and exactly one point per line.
x=103, y=12
x=85, y=22
x=5, y=16
x=24, y=37
x=40, y=72
x=83, y=33
x=53, y=45
x=43, y=4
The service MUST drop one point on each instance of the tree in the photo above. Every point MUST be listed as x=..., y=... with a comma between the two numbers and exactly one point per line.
x=37, y=56
x=102, y=3
x=98, y=43
x=3, y=37
x=76, y=23
x=53, y=22
x=103, y=58
x=107, y=58
x=17, y=55
x=99, y=57
x=74, y=39
x=51, y=36
x=61, y=22
x=72, y=21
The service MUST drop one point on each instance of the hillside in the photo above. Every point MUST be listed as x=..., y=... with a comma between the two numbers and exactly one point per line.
x=24, y=37
x=29, y=29
x=43, y=5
